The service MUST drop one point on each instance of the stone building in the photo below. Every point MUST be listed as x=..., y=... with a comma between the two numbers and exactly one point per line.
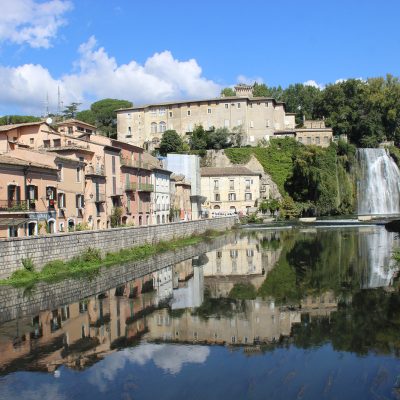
x=256, y=117
x=229, y=189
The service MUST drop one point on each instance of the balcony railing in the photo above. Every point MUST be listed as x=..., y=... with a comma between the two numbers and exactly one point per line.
x=14, y=205
x=95, y=170
x=139, y=187
x=134, y=163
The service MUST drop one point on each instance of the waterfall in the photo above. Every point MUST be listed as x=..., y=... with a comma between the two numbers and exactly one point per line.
x=378, y=185
x=377, y=253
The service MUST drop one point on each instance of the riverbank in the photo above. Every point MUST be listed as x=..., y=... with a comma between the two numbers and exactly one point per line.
x=45, y=249
x=91, y=261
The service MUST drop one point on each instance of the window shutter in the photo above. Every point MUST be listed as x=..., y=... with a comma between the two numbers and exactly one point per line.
x=36, y=193
x=18, y=192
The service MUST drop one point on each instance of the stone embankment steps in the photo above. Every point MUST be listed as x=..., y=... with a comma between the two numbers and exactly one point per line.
x=42, y=249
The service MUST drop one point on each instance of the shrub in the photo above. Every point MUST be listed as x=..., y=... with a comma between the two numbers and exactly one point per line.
x=28, y=264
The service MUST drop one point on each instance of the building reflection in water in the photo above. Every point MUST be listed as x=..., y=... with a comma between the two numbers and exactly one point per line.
x=167, y=305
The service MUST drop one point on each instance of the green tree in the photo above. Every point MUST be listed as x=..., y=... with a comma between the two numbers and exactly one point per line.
x=236, y=136
x=87, y=116
x=18, y=119
x=228, y=92
x=218, y=139
x=171, y=142
x=106, y=116
x=198, y=138
x=71, y=110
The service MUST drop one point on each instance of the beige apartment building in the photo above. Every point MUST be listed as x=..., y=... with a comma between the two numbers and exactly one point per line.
x=229, y=189
x=257, y=117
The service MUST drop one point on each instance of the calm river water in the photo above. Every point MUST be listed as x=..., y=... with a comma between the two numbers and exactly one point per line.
x=271, y=314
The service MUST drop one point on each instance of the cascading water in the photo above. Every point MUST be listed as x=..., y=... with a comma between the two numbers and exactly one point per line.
x=378, y=186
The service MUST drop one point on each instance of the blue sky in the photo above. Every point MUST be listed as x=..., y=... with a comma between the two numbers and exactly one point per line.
x=167, y=50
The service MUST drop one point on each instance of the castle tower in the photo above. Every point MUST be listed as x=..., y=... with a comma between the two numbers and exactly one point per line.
x=243, y=90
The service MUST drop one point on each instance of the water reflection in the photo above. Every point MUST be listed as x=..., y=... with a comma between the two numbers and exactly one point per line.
x=262, y=291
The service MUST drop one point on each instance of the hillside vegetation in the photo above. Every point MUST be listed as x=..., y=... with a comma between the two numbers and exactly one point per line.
x=314, y=180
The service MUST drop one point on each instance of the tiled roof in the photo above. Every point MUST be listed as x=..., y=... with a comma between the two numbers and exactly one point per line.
x=227, y=171
x=17, y=161
x=4, y=128
x=75, y=121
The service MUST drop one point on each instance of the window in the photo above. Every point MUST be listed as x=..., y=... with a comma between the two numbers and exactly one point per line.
x=61, y=200
x=46, y=143
x=57, y=142
x=78, y=174
x=208, y=110
x=129, y=132
x=70, y=131
x=113, y=164
x=226, y=123
x=170, y=114
x=31, y=140
x=153, y=127
x=60, y=172
x=79, y=201
x=326, y=139
x=268, y=123
x=216, y=185
x=300, y=139
x=232, y=196
x=317, y=140
x=266, y=104
x=247, y=196
x=251, y=124
x=308, y=140
x=114, y=185
x=250, y=105
x=234, y=253
x=219, y=254
x=239, y=105
x=248, y=183
x=239, y=122
x=226, y=105
x=153, y=111
x=161, y=111
x=188, y=112
x=12, y=231
x=231, y=184
x=217, y=197
x=162, y=127
x=32, y=192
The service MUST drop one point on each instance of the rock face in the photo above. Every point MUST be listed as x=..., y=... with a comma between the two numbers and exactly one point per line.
x=217, y=158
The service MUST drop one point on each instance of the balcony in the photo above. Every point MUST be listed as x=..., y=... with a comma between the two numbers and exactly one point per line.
x=139, y=187
x=14, y=205
x=134, y=164
x=97, y=170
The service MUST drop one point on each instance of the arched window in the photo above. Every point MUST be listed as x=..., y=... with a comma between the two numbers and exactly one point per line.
x=162, y=127
x=217, y=207
x=153, y=127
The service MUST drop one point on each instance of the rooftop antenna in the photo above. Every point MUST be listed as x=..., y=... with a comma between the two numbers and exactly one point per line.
x=58, y=101
x=47, y=104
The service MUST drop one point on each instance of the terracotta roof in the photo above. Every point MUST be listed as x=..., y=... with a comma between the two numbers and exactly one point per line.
x=17, y=161
x=227, y=171
x=4, y=128
x=75, y=121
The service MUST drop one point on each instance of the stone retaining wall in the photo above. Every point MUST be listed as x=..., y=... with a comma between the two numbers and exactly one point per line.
x=20, y=302
x=42, y=249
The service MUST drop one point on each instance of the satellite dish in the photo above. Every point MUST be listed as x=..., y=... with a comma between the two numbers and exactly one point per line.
x=49, y=120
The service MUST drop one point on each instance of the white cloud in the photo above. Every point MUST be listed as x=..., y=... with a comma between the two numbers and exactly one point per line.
x=249, y=80
x=32, y=22
x=97, y=75
x=169, y=358
x=314, y=84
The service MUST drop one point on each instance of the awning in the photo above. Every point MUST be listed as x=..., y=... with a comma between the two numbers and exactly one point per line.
x=13, y=221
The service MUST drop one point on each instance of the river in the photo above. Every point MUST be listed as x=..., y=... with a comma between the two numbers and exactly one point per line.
x=259, y=314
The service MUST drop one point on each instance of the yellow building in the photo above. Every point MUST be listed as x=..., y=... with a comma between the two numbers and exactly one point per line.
x=230, y=189
x=257, y=117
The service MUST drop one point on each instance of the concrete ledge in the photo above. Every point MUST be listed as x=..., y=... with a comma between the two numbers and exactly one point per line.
x=42, y=249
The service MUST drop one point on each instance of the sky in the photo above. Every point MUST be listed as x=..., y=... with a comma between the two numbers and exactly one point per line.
x=152, y=51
